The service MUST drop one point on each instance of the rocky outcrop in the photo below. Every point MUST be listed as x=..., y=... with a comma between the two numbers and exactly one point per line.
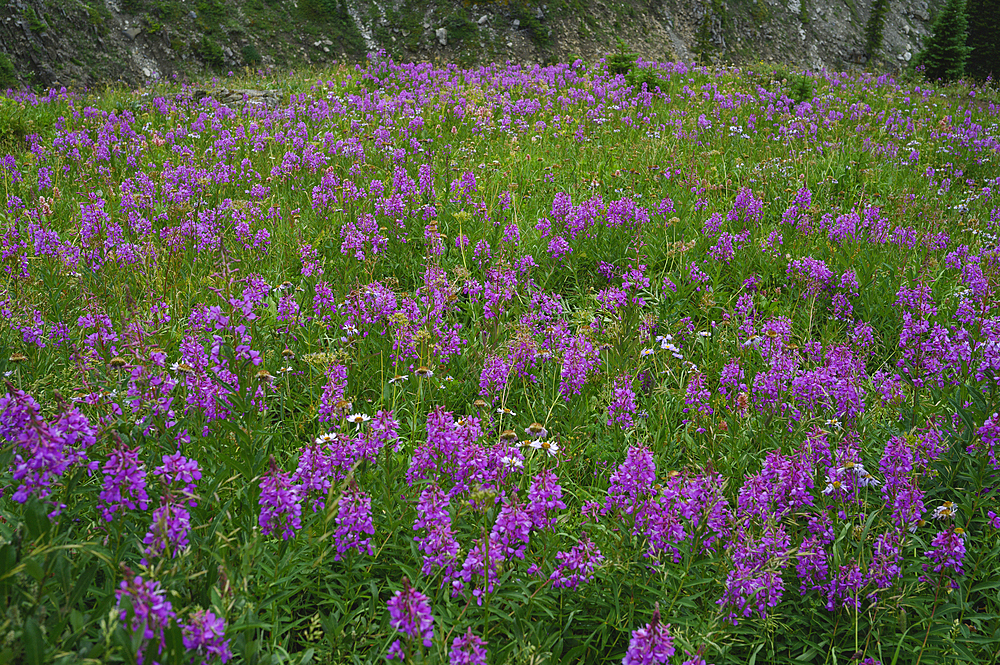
x=86, y=42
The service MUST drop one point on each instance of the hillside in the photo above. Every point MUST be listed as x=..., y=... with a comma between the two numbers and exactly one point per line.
x=88, y=42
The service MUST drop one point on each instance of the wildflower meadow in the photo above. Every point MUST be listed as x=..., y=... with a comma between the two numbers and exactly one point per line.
x=502, y=365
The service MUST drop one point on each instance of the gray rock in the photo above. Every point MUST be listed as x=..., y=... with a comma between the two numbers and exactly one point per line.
x=147, y=72
x=192, y=14
x=517, y=23
x=132, y=32
x=442, y=36
x=483, y=19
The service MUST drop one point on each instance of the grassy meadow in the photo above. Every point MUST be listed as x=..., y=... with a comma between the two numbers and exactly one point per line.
x=502, y=365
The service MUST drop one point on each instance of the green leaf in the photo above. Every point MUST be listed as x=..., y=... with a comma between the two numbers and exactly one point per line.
x=36, y=520
x=8, y=559
x=173, y=638
x=34, y=648
x=82, y=586
x=985, y=586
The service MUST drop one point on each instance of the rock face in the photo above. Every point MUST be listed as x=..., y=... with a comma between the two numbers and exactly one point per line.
x=87, y=43
x=239, y=97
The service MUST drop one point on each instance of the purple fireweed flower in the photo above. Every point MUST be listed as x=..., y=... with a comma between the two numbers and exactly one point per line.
x=280, y=502
x=887, y=559
x=315, y=472
x=151, y=612
x=177, y=468
x=168, y=532
x=124, y=484
x=410, y=615
x=784, y=484
x=812, y=274
x=947, y=553
x=685, y=509
x=623, y=405
x=900, y=489
x=467, y=649
x=438, y=546
x=385, y=429
x=754, y=584
x=544, y=498
x=512, y=529
x=354, y=518
x=576, y=566
x=43, y=450
x=632, y=483
x=333, y=394
x=480, y=564
x=989, y=434
x=205, y=634
x=651, y=644
x=580, y=358
x=697, y=396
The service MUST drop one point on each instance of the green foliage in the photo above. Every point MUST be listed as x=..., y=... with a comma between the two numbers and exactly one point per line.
x=210, y=52
x=983, y=41
x=212, y=12
x=647, y=76
x=13, y=127
x=323, y=10
x=152, y=25
x=946, y=52
x=460, y=29
x=800, y=88
x=251, y=56
x=336, y=22
x=703, y=40
x=875, y=27
x=8, y=75
x=132, y=6
x=622, y=61
x=35, y=23
x=538, y=32
x=167, y=10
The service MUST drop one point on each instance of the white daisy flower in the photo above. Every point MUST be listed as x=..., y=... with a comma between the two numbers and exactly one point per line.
x=833, y=486
x=945, y=511
x=548, y=446
x=512, y=462
x=358, y=418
